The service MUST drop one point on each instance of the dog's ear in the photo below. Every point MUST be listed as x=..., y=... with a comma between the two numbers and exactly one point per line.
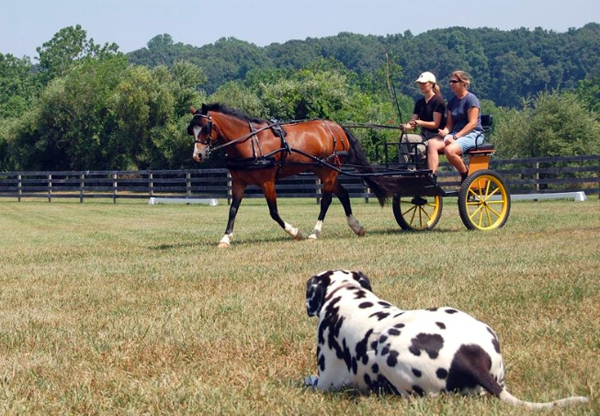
x=362, y=280
x=316, y=288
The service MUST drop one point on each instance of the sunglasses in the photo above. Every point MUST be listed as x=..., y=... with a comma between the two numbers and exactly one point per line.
x=453, y=81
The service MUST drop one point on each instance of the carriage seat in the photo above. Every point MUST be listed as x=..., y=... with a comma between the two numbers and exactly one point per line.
x=487, y=121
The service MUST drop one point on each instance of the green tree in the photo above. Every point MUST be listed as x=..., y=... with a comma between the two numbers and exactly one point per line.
x=588, y=91
x=66, y=47
x=553, y=124
x=17, y=85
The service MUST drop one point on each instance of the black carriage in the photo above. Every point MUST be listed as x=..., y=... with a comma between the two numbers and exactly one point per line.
x=483, y=198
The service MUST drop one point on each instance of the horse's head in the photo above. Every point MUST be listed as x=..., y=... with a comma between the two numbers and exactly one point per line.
x=204, y=132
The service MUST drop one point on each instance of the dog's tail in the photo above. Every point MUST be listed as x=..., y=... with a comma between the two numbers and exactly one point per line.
x=505, y=396
x=485, y=379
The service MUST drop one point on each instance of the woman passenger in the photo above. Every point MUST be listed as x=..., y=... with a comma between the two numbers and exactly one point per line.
x=427, y=114
x=463, y=129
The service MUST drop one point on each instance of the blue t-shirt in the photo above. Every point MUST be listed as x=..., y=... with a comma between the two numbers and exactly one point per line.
x=458, y=107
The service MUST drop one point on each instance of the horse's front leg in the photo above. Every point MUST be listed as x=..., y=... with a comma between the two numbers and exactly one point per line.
x=271, y=197
x=237, y=190
x=325, y=203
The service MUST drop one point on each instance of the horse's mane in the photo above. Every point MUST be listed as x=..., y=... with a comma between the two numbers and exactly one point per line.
x=222, y=108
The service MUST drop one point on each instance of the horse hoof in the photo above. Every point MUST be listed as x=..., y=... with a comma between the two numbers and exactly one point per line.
x=361, y=232
x=312, y=237
x=298, y=236
x=223, y=245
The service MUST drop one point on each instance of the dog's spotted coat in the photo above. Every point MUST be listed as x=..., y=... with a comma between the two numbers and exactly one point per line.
x=366, y=343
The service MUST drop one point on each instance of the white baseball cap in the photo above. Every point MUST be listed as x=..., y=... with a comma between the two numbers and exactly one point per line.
x=426, y=77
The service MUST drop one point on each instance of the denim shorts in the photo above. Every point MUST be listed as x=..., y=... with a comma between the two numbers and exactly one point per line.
x=468, y=142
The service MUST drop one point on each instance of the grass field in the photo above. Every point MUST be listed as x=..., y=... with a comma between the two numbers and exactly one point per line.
x=131, y=309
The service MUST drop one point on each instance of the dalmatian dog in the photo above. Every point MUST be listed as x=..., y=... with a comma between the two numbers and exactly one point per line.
x=368, y=344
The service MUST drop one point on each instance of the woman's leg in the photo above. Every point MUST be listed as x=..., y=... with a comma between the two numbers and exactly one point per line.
x=454, y=155
x=435, y=146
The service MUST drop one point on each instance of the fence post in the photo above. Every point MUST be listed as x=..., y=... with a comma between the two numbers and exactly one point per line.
x=188, y=184
x=49, y=188
x=114, y=188
x=19, y=188
x=318, y=190
x=229, y=191
x=81, y=187
x=151, y=184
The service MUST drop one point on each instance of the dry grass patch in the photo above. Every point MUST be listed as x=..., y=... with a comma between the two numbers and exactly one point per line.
x=131, y=309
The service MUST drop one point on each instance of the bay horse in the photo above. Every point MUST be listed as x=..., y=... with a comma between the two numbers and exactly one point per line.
x=258, y=152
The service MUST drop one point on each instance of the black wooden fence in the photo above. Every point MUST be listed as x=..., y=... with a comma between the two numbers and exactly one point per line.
x=532, y=175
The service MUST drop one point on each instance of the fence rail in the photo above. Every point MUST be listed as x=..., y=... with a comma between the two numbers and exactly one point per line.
x=533, y=175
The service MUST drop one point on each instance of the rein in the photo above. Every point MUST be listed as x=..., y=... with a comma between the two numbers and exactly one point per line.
x=239, y=139
x=317, y=161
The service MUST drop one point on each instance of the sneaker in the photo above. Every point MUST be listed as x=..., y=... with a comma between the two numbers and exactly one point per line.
x=463, y=176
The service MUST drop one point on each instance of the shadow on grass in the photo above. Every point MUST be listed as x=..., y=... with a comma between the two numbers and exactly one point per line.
x=215, y=243
x=244, y=241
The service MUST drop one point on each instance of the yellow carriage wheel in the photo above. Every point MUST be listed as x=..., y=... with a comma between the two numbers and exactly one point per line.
x=484, y=201
x=417, y=213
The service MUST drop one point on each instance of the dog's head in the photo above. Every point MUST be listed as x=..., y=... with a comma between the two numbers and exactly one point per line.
x=317, y=286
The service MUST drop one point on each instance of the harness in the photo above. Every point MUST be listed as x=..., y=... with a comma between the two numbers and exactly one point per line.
x=260, y=160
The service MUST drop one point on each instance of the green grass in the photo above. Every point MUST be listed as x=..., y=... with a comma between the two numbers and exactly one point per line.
x=131, y=308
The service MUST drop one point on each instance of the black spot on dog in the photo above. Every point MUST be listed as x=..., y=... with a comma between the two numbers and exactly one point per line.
x=392, y=359
x=344, y=354
x=441, y=325
x=383, y=339
x=354, y=365
x=384, y=304
x=385, y=350
x=416, y=372
x=418, y=390
x=451, y=311
x=384, y=386
x=368, y=380
x=379, y=315
x=365, y=305
x=374, y=345
x=431, y=309
x=361, y=347
x=399, y=326
x=441, y=373
x=430, y=343
x=375, y=368
x=398, y=314
x=360, y=294
x=321, y=362
x=495, y=342
x=471, y=368
x=393, y=332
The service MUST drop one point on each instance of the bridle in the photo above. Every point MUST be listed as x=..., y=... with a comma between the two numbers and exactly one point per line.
x=209, y=128
x=210, y=125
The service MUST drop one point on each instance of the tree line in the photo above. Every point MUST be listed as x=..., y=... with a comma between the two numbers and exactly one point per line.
x=89, y=106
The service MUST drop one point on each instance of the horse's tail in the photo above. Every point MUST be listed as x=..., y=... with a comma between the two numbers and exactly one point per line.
x=358, y=158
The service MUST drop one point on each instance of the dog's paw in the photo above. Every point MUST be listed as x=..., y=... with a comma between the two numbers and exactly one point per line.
x=311, y=381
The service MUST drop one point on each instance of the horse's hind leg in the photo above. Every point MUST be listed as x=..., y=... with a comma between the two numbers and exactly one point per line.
x=344, y=198
x=271, y=197
x=332, y=184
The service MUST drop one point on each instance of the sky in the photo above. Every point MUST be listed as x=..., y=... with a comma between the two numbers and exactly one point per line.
x=27, y=24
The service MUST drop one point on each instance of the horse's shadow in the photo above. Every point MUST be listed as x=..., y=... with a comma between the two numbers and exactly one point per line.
x=245, y=241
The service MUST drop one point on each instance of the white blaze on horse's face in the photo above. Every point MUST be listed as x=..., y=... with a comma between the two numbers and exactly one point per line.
x=200, y=150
